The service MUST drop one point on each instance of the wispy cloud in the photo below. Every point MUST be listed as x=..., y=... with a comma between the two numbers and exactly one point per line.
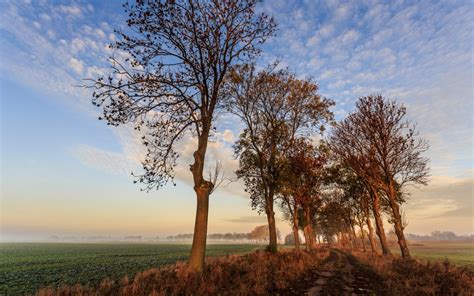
x=47, y=48
x=419, y=53
x=248, y=219
x=446, y=197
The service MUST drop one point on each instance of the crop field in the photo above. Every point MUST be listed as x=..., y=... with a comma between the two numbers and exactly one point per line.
x=459, y=253
x=26, y=267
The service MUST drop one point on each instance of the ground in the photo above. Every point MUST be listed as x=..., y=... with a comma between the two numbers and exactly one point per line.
x=26, y=267
x=340, y=274
x=460, y=253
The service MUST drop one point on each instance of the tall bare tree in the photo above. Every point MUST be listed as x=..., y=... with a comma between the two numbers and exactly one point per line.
x=398, y=153
x=275, y=107
x=383, y=147
x=180, y=52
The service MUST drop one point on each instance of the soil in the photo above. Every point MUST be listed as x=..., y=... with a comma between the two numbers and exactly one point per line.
x=340, y=274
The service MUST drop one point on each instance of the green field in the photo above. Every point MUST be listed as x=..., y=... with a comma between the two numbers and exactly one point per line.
x=26, y=267
x=459, y=253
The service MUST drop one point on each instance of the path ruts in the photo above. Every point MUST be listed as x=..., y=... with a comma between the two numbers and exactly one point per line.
x=340, y=274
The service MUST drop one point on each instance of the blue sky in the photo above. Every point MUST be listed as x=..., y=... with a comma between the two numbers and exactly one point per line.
x=65, y=172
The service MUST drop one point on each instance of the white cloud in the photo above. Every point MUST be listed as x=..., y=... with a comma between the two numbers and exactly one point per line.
x=74, y=10
x=350, y=36
x=45, y=17
x=445, y=204
x=133, y=153
x=51, y=34
x=100, y=33
x=37, y=25
x=76, y=65
x=111, y=162
x=342, y=11
x=326, y=30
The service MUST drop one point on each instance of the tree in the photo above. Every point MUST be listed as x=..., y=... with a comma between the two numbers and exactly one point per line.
x=289, y=239
x=351, y=151
x=304, y=176
x=170, y=86
x=274, y=106
x=353, y=189
x=365, y=206
x=389, y=153
x=261, y=233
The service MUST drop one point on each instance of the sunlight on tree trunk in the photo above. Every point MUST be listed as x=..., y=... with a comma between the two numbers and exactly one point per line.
x=198, y=249
x=273, y=244
x=296, y=229
x=373, y=244
x=379, y=224
x=397, y=220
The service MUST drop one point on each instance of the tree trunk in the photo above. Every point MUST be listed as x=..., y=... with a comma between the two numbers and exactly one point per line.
x=379, y=223
x=309, y=240
x=344, y=240
x=362, y=235
x=296, y=236
x=306, y=237
x=398, y=221
x=202, y=188
x=373, y=244
x=354, y=237
x=272, y=245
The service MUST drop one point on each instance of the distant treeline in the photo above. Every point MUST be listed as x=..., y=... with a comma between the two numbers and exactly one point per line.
x=439, y=236
x=258, y=234
x=214, y=236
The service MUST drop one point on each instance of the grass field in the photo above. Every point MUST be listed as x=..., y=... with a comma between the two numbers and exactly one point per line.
x=457, y=253
x=26, y=267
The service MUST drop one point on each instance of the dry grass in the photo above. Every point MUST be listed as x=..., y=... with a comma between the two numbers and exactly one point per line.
x=263, y=273
x=260, y=273
x=420, y=277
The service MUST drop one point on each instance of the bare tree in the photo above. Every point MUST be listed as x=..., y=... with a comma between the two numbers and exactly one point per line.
x=275, y=107
x=179, y=55
x=389, y=149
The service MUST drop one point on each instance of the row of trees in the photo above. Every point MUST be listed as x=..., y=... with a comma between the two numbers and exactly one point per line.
x=189, y=61
x=259, y=234
x=440, y=236
x=359, y=173
x=383, y=155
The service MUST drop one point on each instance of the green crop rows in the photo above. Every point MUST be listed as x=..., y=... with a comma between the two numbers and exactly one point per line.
x=24, y=268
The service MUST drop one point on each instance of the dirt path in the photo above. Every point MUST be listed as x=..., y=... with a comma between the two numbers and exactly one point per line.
x=341, y=274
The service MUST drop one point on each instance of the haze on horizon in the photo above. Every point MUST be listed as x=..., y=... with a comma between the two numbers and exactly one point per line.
x=65, y=173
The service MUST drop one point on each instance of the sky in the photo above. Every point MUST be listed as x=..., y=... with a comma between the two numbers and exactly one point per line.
x=63, y=172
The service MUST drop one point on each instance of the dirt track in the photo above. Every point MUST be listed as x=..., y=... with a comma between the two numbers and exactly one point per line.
x=341, y=274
